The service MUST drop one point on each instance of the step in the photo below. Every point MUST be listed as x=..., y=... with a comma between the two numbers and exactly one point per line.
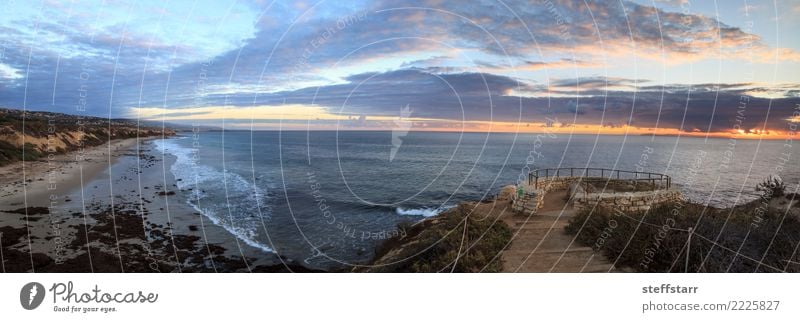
x=544, y=249
x=553, y=241
x=540, y=224
x=545, y=262
x=531, y=207
x=563, y=213
x=599, y=268
x=524, y=210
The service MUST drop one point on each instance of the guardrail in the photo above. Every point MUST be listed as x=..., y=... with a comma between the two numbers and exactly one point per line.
x=606, y=174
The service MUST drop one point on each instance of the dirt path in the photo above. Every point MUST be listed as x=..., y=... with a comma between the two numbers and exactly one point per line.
x=541, y=245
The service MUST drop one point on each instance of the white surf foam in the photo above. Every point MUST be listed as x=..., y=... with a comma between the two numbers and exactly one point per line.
x=426, y=212
x=244, y=197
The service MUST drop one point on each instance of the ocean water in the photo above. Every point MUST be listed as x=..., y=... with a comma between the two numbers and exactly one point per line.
x=327, y=198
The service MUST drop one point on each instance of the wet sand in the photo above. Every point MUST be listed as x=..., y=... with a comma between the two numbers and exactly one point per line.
x=113, y=208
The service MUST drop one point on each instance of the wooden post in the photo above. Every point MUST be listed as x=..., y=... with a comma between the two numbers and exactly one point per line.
x=2, y=259
x=688, y=248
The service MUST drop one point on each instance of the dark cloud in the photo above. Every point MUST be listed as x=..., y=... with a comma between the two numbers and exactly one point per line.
x=112, y=71
x=482, y=97
x=596, y=82
x=470, y=96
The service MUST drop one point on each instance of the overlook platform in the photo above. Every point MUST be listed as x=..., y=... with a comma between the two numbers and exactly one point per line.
x=545, y=204
x=592, y=187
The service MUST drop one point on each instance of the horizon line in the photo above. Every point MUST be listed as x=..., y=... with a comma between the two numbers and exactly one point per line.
x=699, y=135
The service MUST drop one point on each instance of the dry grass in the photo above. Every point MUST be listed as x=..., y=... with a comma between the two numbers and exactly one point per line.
x=758, y=233
x=433, y=245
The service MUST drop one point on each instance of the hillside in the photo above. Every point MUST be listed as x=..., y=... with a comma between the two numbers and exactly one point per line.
x=442, y=244
x=41, y=133
x=759, y=236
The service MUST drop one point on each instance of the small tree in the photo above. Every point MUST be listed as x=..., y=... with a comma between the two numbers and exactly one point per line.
x=772, y=187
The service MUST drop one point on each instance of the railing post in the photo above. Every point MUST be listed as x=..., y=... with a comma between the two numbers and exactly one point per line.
x=663, y=179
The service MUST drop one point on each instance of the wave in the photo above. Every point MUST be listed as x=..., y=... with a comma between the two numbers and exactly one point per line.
x=426, y=212
x=245, y=235
x=238, y=213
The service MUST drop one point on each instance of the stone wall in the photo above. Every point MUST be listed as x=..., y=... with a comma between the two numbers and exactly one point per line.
x=533, y=197
x=624, y=201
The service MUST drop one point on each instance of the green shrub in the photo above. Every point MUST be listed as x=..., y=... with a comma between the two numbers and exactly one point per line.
x=434, y=244
x=658, y=244
x=772, y=187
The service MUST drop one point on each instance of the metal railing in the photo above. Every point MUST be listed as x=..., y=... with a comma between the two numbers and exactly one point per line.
x=605, y=174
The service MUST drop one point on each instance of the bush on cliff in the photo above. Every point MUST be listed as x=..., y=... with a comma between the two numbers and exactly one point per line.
x=433, y=245
x=765, y=238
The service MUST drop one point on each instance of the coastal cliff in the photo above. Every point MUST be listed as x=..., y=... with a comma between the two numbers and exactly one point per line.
x=467, y=238
x=491, y=237
x=30, y=135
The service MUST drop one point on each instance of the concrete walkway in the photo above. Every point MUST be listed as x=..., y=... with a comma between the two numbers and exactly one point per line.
x=541, y=245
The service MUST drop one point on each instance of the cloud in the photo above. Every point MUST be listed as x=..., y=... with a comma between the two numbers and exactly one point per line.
x=676, y=3
x=449, y=60
x=594, y=83
x=459, y=96
x=562, y=63
x=470, y=97
x=9, y=73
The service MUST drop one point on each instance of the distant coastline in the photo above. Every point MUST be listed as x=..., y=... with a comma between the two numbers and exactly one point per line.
x=31, y=135
x=93, y=195
x=698, y=135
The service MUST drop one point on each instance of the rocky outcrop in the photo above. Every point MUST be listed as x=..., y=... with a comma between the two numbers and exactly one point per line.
x=467, y=238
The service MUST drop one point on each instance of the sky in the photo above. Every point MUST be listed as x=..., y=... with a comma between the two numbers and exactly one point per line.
x=672, y=67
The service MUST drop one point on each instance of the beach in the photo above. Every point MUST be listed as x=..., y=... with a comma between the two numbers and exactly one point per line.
x=113, y=208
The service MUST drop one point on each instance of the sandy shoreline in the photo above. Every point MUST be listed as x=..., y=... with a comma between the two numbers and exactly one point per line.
x=56, y=175
x=113, y=208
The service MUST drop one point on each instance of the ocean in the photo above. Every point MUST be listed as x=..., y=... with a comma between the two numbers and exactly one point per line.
x=326, y=199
